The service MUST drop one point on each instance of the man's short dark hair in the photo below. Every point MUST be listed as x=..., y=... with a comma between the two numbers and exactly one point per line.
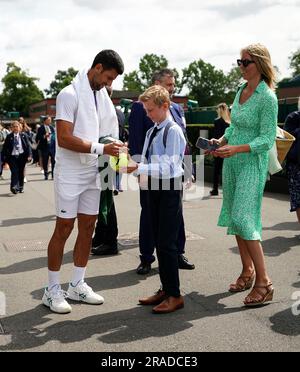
x=158, y=75
x=109, y=59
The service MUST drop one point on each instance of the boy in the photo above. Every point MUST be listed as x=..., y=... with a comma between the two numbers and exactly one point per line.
x=162, y=166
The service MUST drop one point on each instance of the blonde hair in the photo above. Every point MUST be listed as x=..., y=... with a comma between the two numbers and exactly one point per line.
x=158, y=94
x=262, y=59
x=223, y=112
x=15, y=122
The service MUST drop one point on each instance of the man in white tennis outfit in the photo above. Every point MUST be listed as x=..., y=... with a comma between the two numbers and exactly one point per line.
x=84, y=112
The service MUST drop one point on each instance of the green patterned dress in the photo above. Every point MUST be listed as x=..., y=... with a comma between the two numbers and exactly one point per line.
x=244, y=174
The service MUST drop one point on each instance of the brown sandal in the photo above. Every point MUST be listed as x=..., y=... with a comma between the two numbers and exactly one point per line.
x=266, y=295
x=243, y=283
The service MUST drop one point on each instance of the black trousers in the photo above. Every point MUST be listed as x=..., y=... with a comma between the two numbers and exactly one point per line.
x=218, y=164
x=106, y=231
x=17, y=165
x=46, y=153
x=166, y=213
x=146, y=239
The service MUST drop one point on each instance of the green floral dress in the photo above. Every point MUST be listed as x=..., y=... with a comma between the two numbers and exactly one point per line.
x=244, y=174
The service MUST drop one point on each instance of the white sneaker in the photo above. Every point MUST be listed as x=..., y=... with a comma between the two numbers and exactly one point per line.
x=82, y=292
x=55, y=299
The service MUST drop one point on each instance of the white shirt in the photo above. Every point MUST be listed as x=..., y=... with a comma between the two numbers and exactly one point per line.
x=20, y=147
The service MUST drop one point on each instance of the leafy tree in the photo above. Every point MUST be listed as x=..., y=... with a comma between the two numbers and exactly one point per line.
x=132, y=82
x=205, y=83
x=295, y=63
x=19, y=90
x=141, y=79
x=233, y=80
x=61, y=80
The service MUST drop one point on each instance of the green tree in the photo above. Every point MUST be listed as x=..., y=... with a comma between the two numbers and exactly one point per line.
x=295, y=63
x=141, y=79
x=132, y=82
x=61, y=80
x=19, y=90
x=205, y=83
x=233, y=80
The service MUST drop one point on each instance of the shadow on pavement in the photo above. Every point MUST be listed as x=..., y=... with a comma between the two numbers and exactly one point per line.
x=28, y=329
x=105, y=282
x=276, y=246
x=286, y=323
x=41, y=262
x=285, y=226
x=29, y=220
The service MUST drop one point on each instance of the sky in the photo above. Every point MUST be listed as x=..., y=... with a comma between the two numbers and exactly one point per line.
x=44, y=36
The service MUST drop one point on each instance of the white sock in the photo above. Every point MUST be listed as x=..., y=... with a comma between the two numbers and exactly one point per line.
x=78, y=275
x=53, y=278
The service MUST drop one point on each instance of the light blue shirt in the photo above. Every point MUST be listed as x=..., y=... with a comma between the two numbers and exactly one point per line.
x=164, y=161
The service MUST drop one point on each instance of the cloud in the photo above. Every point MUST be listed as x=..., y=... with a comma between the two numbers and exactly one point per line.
x=237, y=9
x=42, y=37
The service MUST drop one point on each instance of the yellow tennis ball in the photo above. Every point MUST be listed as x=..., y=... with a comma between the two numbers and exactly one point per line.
x=123, y=161
x=114, y=163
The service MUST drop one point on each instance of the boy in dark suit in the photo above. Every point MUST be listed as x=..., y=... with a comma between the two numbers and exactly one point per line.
x=16, y=152
x=162, y=167
x=139, y=123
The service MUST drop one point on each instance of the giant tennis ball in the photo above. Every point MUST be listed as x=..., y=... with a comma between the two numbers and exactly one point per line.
x=118, y=162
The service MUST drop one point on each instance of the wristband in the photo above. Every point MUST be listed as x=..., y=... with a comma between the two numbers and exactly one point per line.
x=97, y=148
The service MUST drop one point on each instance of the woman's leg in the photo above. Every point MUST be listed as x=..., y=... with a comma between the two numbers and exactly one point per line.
x=298, y=214
x=248, y=267
x=262, y=278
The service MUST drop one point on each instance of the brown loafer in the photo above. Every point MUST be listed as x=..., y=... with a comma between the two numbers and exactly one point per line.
x=156, y=299
x=169, y=305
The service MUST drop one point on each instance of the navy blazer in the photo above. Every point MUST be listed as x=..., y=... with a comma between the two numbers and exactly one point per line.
x=42, y=141
x=292, y=125
x=9, y=146
x=140, y=123
x=220, y=126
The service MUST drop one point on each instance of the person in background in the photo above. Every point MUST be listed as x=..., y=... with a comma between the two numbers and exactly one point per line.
x=3, y=134
x=292, y=125
x=221, y=123
x=245, y=147
x=105, y=239
x=16, y=152
x=25, y=128
x=46, y=143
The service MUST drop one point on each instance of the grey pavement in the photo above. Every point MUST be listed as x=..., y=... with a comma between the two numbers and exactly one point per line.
x=212, y=320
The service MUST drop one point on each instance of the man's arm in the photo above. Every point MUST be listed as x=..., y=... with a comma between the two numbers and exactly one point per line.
x=67, y=140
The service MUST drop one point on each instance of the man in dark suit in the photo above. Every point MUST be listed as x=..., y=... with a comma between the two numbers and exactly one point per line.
x=46, y=144
x=139, y=123
x=16, y=152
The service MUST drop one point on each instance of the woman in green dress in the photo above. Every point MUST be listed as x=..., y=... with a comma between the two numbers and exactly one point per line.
x=245, y=147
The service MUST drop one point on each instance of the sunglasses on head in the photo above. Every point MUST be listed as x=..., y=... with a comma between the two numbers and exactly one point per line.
x=244, y=62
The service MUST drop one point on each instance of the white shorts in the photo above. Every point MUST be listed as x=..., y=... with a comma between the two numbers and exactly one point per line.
x=76, y=193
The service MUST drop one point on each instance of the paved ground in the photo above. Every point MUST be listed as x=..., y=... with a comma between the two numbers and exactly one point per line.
x=212, y=320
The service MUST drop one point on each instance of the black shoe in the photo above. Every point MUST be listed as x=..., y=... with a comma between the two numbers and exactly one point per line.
x=214, y=192
x=184, y=264
x=143, y=268
x=105, y=249
x=14, y=190
x=21, y=191
x=116, y=192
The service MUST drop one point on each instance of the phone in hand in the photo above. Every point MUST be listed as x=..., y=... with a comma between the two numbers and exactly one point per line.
x=204, y=144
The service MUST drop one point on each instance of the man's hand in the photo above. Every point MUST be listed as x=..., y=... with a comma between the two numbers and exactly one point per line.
x=113, y=149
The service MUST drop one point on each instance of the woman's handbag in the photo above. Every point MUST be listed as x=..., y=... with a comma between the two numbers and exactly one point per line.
x=284, y=141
